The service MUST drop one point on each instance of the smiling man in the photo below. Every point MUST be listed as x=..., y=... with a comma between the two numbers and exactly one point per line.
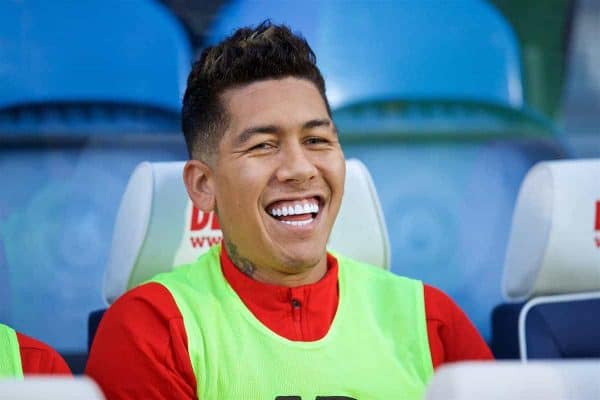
x=271, y=315
x=276, y=181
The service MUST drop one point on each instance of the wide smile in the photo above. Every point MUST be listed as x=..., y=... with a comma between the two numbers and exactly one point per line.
x=300, y=213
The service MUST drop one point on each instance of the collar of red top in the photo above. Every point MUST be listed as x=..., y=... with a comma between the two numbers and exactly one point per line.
x=258, y=295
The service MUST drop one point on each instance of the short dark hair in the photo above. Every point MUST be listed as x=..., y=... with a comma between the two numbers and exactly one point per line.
x=250, y=54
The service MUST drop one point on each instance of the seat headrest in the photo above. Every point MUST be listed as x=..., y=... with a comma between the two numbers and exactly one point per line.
x=554, y=245
x=157, y=226
x=50, y=388
x=508, y=380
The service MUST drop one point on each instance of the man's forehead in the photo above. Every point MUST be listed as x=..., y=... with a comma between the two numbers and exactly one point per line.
x=281, y=102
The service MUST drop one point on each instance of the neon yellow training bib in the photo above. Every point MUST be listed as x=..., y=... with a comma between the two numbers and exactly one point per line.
x=376, y=347
x=10, y=355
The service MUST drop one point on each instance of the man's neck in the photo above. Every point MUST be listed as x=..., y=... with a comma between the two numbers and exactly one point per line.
x=306, y=277
x=272, y=276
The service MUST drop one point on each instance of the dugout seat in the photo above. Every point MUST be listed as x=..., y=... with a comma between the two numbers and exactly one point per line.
x=50, y=388
x=553, y=266
x=511, y=380
x=157, y=227
x=89, y=90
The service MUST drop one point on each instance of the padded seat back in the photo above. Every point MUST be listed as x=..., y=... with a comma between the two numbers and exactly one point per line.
x=50, y=388
x=554, y=245
x=553, y=263
x=91, y=52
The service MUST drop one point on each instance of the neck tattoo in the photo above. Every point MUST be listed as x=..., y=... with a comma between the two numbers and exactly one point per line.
x=241, y=263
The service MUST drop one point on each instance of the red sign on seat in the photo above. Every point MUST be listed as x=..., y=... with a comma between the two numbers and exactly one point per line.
x=597, y=239
x=205, y=230
x=200, y=220
x=598, y=215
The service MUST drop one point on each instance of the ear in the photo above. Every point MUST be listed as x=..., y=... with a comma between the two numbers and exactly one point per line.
x=199, y=182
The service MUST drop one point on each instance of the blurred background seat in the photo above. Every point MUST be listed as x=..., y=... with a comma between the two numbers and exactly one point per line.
x=157, y=227
x=553, y=263
x=89, y=90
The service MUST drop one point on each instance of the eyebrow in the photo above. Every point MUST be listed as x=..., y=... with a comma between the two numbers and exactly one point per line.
x=248, y=133
x=316, y=123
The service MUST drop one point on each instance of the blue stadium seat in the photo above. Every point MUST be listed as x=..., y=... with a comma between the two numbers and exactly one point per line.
x=504, y=340
x=547, y=328
x=397, y=49
x=429, y=96
x=92, y=52
x=89, y=90
x=563, y=327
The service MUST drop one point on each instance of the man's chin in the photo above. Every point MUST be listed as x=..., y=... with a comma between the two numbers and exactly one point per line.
x=302, y=258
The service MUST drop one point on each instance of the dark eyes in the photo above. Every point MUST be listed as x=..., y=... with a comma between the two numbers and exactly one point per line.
x=262, y=147
x=314, y=140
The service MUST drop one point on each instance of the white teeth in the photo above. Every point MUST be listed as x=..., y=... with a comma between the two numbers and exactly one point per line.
x=298, y=223
x=297, y=209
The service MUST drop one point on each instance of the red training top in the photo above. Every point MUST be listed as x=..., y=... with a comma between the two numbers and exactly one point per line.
x=140, y=348
x=39, y=358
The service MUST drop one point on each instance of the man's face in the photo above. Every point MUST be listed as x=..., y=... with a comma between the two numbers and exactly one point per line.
x=279, y=175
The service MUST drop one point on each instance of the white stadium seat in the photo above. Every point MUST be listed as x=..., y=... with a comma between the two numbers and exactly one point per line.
x=513, y=380
x=553, y=262
x=50, y=388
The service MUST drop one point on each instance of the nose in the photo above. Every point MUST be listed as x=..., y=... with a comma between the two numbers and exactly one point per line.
x=296, y=165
